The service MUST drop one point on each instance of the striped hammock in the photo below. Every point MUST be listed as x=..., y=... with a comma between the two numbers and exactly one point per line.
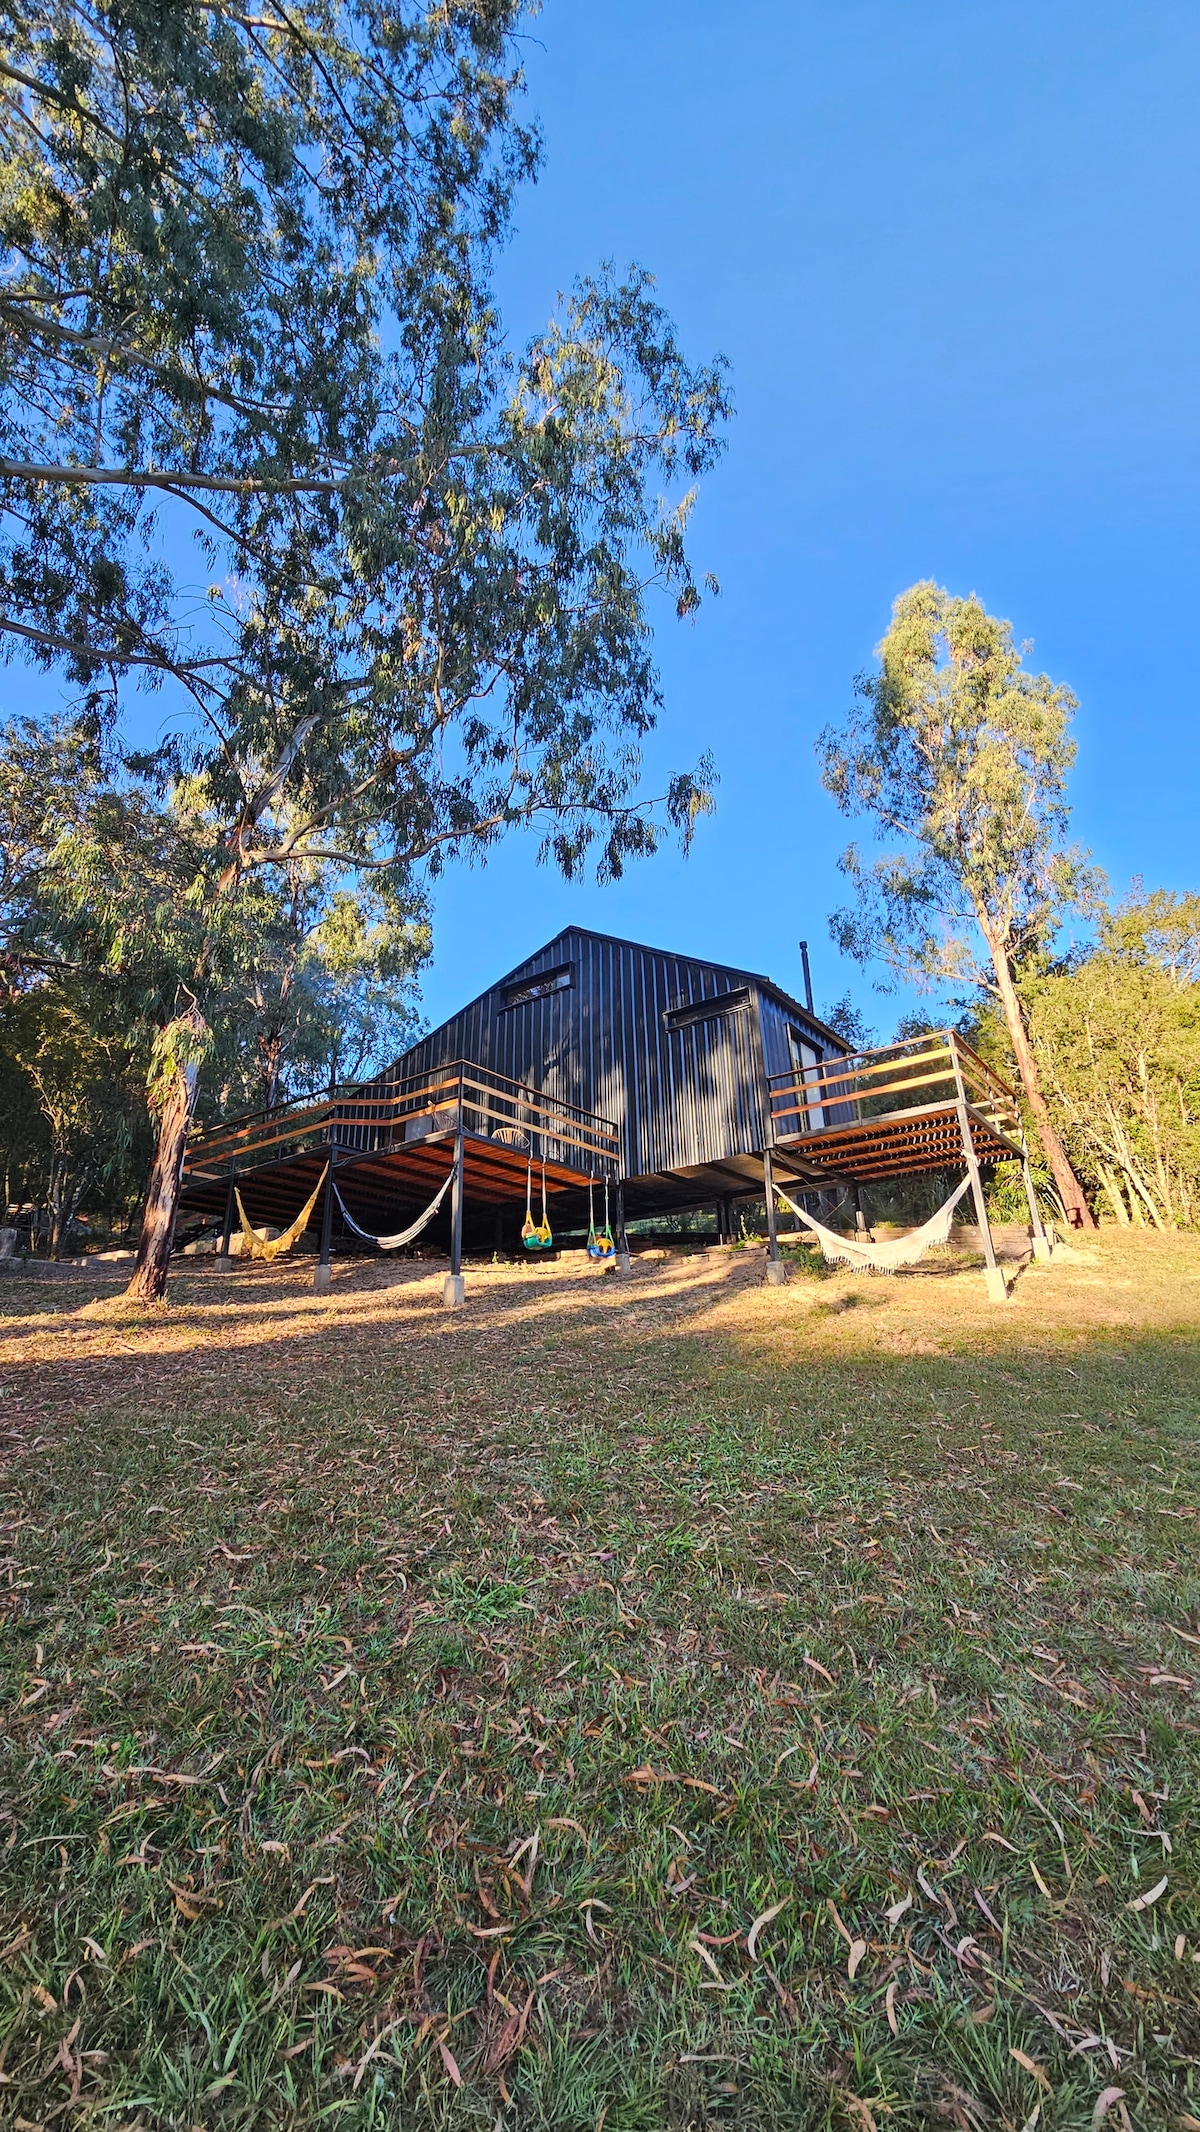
x=403, y=1236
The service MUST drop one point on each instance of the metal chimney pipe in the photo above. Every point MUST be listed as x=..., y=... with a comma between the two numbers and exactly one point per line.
x=808, y=998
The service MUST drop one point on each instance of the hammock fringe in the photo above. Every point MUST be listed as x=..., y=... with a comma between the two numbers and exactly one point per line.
x=881, y=1258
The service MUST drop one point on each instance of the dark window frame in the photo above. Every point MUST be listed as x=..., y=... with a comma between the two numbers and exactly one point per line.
x=715, y=1008
x=525, y=991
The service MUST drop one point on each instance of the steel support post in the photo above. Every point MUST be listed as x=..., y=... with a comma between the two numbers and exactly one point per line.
x=624, y=1260
x=776, y=1270
x=224, y=1257
x=454, y=1287
x=1042, y=1246
x=323, y=1275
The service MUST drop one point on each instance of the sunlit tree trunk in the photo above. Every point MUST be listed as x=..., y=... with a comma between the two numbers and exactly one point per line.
x=1070, y=1191
x=181, y=1046
x=1116, y=1197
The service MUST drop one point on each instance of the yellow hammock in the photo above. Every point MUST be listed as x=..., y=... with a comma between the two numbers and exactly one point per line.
x=275, y=1246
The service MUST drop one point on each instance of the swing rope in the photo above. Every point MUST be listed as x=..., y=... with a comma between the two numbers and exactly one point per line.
x=602, y=1246
x=536, y=1236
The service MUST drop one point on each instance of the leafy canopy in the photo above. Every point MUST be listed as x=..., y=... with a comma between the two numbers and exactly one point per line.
x=245, y=295
x=959, y=757
x=108, y=929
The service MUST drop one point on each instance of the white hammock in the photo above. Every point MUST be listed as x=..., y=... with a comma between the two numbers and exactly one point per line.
x=882, y=1258
x=405, y=1236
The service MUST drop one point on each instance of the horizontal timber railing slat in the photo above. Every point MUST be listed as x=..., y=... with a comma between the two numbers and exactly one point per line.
x=379, y=1116
x=851, y=1094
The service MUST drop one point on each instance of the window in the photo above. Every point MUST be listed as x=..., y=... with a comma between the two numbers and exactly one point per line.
x=707, y=1010
x=805, y=1062
x=542, y=986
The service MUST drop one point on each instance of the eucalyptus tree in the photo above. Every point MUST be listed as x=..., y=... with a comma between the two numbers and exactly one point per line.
x=109, y=928
x=246, y=291
x=959, y=756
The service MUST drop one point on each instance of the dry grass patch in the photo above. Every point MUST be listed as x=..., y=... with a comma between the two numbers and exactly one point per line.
x=656, y=1703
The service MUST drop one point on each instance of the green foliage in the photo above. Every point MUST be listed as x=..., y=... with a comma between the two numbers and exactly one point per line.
x=1006, y=1199
x=247, y=297
x=959, y=757
x=1118, y=1041
x=110, y=921
x=76, y=1132
x=808, y=1260
x=850, y=1023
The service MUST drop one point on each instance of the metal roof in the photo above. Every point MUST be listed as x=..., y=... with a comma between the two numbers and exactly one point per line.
x=790, y=1004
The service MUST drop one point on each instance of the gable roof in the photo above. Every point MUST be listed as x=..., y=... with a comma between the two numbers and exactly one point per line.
x=766, y=985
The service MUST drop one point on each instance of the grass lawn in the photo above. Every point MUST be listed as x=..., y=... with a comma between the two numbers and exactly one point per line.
x=614, y=1705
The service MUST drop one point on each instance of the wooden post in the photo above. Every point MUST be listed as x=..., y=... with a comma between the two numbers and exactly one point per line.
x=454, y=1287
x=323, y=1275
x=224, y=1261
x=860, y=1219
x=776, y=1270
x=993, y=1274
x=1042, y=1246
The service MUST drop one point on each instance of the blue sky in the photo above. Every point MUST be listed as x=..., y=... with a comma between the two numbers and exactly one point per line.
x=950, y=250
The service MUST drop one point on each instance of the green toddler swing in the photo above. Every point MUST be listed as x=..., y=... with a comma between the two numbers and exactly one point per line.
x=536, y=1236
x=602, y=1246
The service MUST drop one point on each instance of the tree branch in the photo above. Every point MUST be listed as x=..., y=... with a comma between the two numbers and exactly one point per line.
x=112, y=656
x=147, y=477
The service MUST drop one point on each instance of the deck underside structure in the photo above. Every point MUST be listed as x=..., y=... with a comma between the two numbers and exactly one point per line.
x=928, y=1104
x=391, y=1146
x=386, y=1187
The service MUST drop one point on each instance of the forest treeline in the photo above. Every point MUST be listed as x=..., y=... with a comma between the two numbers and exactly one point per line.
x=312, y=983
x=1115, y=1028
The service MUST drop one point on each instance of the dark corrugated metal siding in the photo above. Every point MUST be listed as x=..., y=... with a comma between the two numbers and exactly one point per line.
x=681, y=1097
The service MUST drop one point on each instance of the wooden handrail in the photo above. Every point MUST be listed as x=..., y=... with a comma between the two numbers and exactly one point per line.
x=385, y=1105
x=914, y=1051
x=859, y=1079
x=826, y=1101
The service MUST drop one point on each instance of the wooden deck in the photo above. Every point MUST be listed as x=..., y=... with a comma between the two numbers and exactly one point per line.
x=393, y=1143
x=894, y=1112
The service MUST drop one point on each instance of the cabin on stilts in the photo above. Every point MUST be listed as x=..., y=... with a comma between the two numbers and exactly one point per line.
x=603, y=1075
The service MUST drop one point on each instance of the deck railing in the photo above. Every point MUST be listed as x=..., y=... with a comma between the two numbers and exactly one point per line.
x=379, y=1116
x=925, y=1072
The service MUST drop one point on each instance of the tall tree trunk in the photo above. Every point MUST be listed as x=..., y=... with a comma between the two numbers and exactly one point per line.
x=1116, y=1198
x=1070, y=1191
x=181, y=1046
